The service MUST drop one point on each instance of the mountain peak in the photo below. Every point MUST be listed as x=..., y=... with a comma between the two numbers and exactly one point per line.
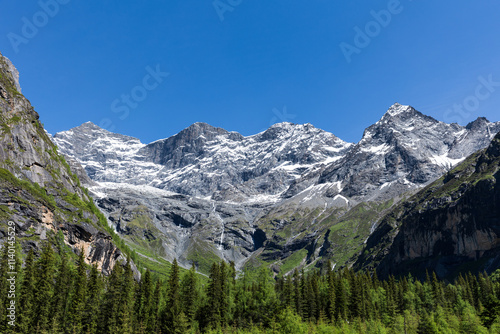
x=397, y=109
x=477, y=123
x=90, y=125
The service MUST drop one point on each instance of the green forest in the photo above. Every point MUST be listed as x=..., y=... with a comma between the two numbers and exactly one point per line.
x=55, y=294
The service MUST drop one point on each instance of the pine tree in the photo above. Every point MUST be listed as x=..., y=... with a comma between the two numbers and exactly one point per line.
x=170, y=315
x=27, y=295
x=4, y=301
x=190, y=294
x=355, y=299
x=93, y=301
x=109, y=322
x=212, y=310
x=297, y=293
x=44, y=288
x=427, y=325
x=139, y=303
x=78, y=296
x=61, y=298
x=126, y=303
x=340, y=300
x=154, y=322
x=331, y=295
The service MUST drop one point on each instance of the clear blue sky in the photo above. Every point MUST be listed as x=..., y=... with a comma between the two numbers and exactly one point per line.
x=232, y=68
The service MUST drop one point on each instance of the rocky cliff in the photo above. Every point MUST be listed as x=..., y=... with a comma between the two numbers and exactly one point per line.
x=39, y=190
x=450, y=226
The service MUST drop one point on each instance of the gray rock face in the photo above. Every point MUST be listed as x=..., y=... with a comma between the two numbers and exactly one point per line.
x=404, y=150
x=204, y=161
x=14, y=74
x=452, y=223
x=37, y=186
x=206, y=193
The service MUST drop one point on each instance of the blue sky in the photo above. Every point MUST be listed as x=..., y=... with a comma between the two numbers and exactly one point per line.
x=243, y=65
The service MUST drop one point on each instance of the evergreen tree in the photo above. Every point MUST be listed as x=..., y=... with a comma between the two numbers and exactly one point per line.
x=297, y=293
x=61, y=298
x=109, y=322
x=44, y=288
x=340, y=300
x=190, y=294
x=126, y=303
x=354, y=296
x=172, y=322
x=154, y=322
x=4, y=287
x=331, y=295
x=143, y=302
x=78, y=297
x=27, y=295
x=93, y=301
x=212, y=311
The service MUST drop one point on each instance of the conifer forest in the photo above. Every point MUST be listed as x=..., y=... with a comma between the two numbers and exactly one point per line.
x=59, y=295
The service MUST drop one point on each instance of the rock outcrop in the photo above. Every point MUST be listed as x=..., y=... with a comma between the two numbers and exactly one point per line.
x=450, y=226
x=39, y=191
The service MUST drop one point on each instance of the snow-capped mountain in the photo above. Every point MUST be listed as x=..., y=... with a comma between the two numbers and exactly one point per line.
x=404, y=150
x=205, y=161
x=208, y=193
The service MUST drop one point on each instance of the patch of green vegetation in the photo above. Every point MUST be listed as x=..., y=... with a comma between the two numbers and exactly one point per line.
x=202, y=255
x=293, y=261
x=5, y=212
x=33, y=188
x=14, y=119
x=4, y=128
x=8, y=84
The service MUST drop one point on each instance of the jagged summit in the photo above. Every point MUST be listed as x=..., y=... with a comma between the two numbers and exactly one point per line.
x=478, y=123
x=397, y=109
x=90, y=125
x=402, y=114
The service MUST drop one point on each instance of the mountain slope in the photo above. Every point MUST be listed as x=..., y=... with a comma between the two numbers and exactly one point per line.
x=38, y=190
x=451, y=225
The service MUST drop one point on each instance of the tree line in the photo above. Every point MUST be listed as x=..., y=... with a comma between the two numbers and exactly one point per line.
x=55, y=294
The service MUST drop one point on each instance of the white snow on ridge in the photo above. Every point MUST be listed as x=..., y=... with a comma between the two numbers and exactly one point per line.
x=341, y=197
x=397, y=109
x=444, y=161
x=142, y=189
x=380, y=149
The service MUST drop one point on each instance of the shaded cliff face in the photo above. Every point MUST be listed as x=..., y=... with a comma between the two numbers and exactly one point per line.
x=450, y=226
x=38, y=189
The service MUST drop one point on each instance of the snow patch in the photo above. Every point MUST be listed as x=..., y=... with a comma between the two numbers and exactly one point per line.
x=444, y=161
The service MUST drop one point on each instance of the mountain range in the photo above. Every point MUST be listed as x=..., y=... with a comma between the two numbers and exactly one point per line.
x=414, y=194
x=293, y=195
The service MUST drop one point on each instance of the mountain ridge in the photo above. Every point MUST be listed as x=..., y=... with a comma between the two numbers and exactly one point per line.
x=232, y=197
